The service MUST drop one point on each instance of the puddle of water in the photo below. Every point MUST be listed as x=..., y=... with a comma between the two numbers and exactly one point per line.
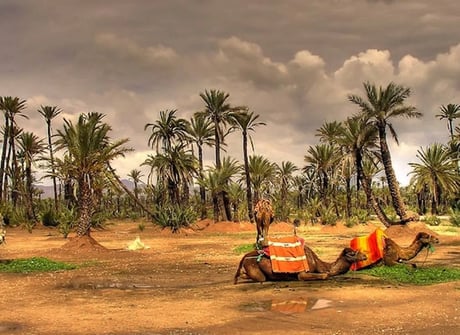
x=292, y=306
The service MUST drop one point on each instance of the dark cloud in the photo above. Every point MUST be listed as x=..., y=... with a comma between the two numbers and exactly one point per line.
x=293, y=62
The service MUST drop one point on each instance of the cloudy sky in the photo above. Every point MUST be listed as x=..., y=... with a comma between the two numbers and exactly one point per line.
x=293, y=62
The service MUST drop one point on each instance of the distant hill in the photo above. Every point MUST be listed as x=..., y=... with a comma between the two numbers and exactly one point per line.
x=48, y=189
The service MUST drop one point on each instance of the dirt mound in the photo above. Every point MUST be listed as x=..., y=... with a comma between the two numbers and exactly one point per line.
x=83, y=243
x=408, y=231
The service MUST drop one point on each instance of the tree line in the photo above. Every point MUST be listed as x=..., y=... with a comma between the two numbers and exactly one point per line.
x=348, y=175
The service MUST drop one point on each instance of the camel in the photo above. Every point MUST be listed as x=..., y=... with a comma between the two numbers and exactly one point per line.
x=263, y=212
x=258, y=267
x=395, y=254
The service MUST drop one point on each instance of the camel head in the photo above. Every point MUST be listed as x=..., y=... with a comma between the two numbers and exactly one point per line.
x=353, y=256
x=426, y=239
x=264, y=216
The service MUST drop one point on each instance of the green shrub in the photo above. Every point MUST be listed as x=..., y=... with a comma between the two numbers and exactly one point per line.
x=362, y=215
x=455, y=218
x=433, y=220
x=66, y=219
x=174, y=217
x=328, y=216
x=48, y=218
x=351, y=221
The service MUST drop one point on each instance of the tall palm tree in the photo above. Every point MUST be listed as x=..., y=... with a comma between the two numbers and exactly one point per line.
x=31, y=146
x=246, y=122
x=201, y=132
x=12, y=107
x=449, y=112
x=219, y=111
x=323, y=158
x=49, y=113
x=436, y=171
x=174, y=168
x=89, y=150
x=357, y=139
x=135, y=175
x=262, y=172
x=383, y=105
x=285, y=175
x=166, y=131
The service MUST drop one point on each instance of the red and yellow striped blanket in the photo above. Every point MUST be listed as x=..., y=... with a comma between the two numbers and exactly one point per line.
x=372, y=245
x=287, y=254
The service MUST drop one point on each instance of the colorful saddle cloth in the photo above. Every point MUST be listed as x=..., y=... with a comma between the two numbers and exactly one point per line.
x=287, y=254
x=372, y=245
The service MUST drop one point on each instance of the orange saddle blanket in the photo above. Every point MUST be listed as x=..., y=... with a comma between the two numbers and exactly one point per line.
x=372, y=245
x=287, y=254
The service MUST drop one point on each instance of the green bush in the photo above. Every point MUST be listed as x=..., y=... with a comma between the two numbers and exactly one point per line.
x=351, y=221
x=48, y=218
x=66, y=219
x=433, y=220
x=174, y=217
x=455, y=218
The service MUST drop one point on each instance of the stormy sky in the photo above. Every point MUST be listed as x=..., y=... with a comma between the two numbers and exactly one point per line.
x=293, y=62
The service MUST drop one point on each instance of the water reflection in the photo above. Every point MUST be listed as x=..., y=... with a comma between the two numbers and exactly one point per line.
x=291, y=306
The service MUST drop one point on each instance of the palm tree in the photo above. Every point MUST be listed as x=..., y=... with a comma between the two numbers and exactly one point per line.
x=449, y=112
x=89, y=150
x=285, y=174
x=174, y=168
x=49, y=113
x=382, y=105
x=357, y=139
x=201, y=132
x=219, y=111
x=262, y=172
x=436, y=171
x=246, y=121
x=12, y=107
x=31, y=146
x=167, y=130
x=135, y=175
x=323, y=158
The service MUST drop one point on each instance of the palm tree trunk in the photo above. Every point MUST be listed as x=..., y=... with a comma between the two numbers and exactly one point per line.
x=84, y=204
x=204, y=213
x=248, y=178
x=3, y=159
x=393, y=186
x=50, y=147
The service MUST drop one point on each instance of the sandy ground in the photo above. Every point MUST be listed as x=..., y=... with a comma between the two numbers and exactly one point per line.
x=183, y=284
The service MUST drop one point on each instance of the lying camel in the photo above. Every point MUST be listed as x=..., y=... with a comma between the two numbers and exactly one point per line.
x=263, y=213
x=394, y=254
x=258, y=266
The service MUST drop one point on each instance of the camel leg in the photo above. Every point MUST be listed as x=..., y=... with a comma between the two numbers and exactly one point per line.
x=253, y=271
x=305, y=276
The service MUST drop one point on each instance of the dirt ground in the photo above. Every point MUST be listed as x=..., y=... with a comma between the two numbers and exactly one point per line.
x=183, y=284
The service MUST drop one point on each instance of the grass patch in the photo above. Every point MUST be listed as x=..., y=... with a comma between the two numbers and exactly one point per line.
x=419, y=276
x=34, y=264
x=244, y=248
